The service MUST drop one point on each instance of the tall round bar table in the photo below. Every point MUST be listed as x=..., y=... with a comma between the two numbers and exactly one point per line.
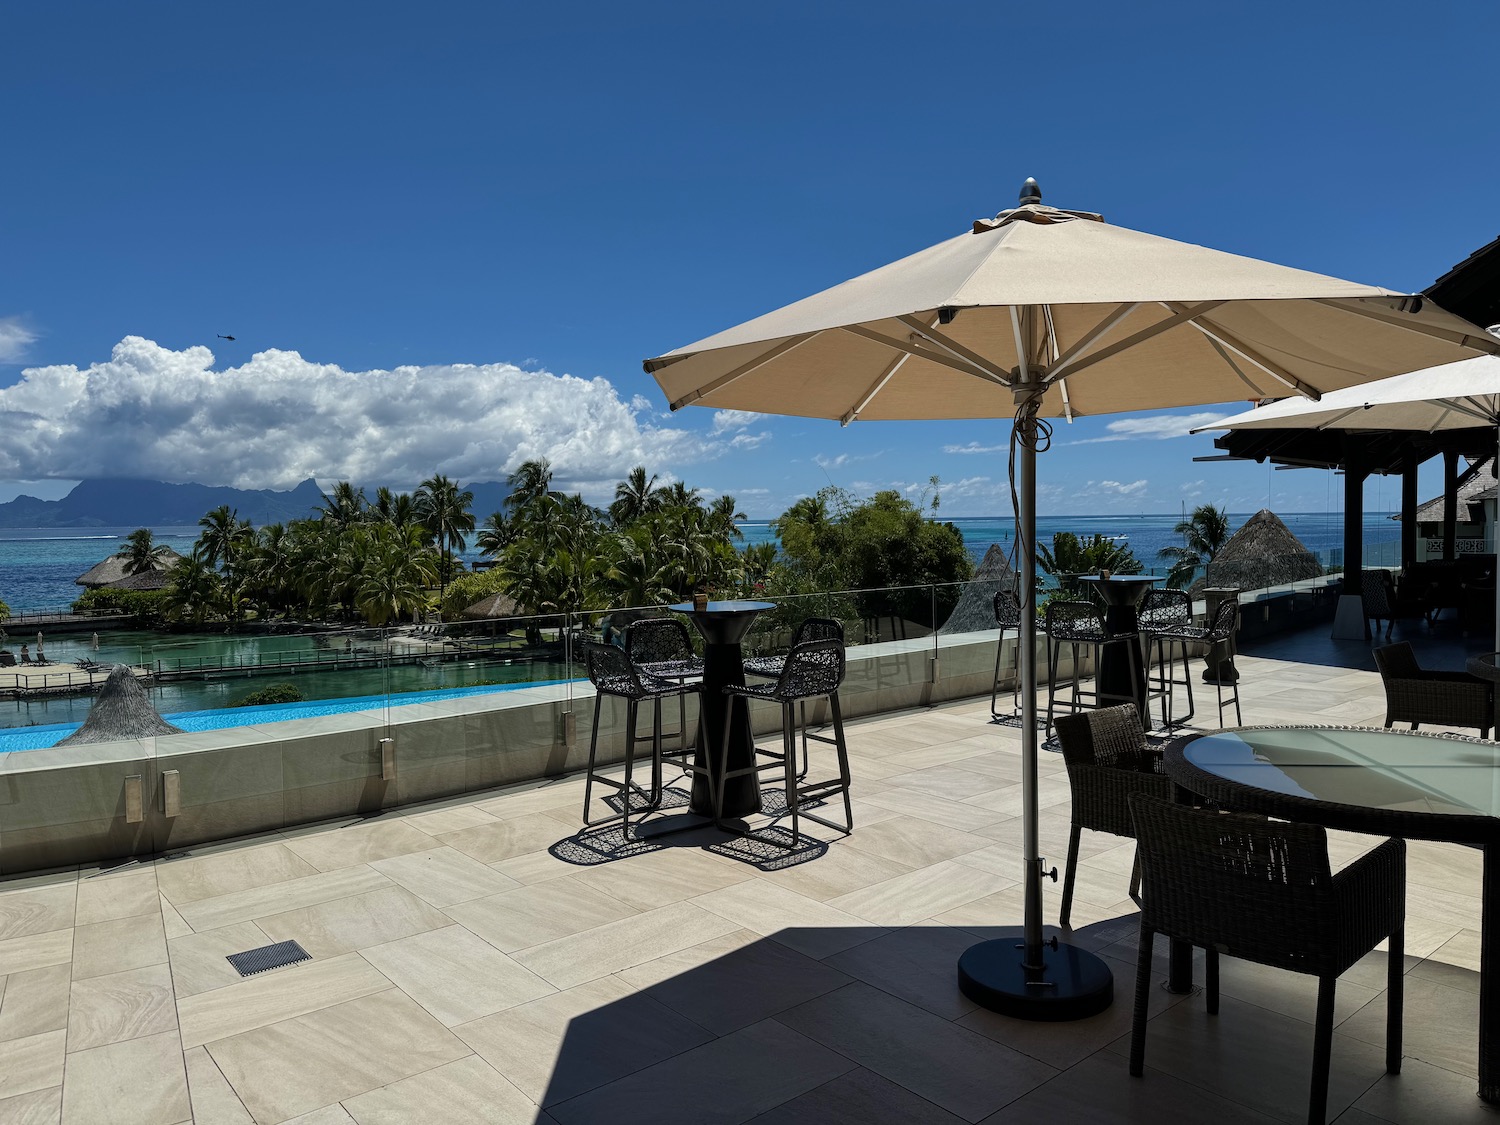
x=722, y=625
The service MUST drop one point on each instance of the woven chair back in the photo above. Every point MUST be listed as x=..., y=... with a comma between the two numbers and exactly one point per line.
x=1224, y=621
x=1244, y=885
x=812, y=668
x=818, y=629
x=1106, y=736
x=611, y=671
x=1398, y=662
x=1074, y=621
x=1007, y=609
x=1374, y=593
x=658, y=640
x=1164, y=609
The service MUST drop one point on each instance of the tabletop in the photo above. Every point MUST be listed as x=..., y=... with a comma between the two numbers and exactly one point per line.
x=1399, y=783
x=724, y=607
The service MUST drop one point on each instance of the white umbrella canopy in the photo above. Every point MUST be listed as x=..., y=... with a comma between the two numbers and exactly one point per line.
x=1455, y=396
x=1042, y=312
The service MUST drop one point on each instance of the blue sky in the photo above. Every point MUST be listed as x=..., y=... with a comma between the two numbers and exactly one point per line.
x=445, y=235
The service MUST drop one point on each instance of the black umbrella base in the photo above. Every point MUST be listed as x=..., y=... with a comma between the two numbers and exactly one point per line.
x=1073, y=985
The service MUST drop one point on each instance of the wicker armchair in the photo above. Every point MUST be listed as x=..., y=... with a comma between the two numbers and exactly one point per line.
x=1263, y=891
x=1416, y=695
x=1107, y=758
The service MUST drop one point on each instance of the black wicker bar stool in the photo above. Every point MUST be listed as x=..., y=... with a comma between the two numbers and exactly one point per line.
x=1008, y=618
x=613, y=673
x=662, y=647
x=769, y=667
x=1079, y=625
x=1162, y=616
x=1220, y=631
x=812, y=669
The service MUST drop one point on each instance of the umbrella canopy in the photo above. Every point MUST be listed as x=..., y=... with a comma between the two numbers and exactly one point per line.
x=1044, y=312
x=1455, y=396
x=1123, y=321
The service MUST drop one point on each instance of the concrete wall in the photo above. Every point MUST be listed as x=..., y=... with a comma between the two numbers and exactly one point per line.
x=71, y=806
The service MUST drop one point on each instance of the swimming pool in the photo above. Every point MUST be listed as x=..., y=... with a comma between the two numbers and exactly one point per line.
x=42, y=737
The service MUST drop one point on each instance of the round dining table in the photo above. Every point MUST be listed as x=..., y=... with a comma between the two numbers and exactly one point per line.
x=1413, y=785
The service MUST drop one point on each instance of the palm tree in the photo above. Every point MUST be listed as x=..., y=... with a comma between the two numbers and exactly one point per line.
x=531, y=482
x=634, y=497
x=142, y=553
x=723, y=513
x=224, y=536
x=345, y=505
x=195, y=590
x=443, y=510
x=495, y=534
x=394, y=581
x=1204, y=534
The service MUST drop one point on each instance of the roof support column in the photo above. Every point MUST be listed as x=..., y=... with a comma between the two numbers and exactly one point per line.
x=1350, y=622
x=1408, y=513
x=1450, y=504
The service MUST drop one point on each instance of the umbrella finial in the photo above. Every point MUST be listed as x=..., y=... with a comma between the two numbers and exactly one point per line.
x=1030, y=192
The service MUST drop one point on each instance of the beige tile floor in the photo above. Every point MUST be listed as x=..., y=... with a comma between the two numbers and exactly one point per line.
x=463, y=972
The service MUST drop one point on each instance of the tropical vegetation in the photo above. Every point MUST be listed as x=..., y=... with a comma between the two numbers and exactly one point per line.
x=1204, y=534
x=547, y=552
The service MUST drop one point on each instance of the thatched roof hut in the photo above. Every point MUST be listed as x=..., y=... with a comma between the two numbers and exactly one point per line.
x=496, y=605
x=112, y=569
x=122, y=710
x=1262, y=553
x=975, y=611
x=144, y=580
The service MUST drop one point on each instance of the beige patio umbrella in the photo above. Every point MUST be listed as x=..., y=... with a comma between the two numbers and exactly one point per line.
x=1045, y=312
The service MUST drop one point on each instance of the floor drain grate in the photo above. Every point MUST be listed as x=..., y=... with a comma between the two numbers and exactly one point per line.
x=276, y=956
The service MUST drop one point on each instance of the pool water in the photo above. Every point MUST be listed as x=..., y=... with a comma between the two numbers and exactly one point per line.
x=42, y=737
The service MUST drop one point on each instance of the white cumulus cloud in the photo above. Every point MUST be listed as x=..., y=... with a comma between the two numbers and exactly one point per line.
x=975, y=447
x=734, y=419
x=1119, y=488
x=152, y=412
x=1156, y=427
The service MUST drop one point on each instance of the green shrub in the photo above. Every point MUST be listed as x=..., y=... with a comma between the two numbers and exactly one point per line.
x=149, y=606
x=272, y=693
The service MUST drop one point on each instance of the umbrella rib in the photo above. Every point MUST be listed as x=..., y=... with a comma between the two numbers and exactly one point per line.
x=1023, y=360
x=951, y=346
x=742, y=370
x=1088, y=340
x=1362, y=307
x=1233, y=365
x=874, y=389
x=1073, y=363
x=1217, y=332
x=1467, y=405
x=922, y=353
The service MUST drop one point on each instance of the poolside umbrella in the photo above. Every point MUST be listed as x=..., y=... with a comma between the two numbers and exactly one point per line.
x=1041, y=312
x=1455, y=396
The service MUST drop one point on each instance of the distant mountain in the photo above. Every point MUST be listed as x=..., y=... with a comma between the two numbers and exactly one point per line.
x=153, y=503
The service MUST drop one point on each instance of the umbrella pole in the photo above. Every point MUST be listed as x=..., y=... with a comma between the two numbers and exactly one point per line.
x=1032, y=978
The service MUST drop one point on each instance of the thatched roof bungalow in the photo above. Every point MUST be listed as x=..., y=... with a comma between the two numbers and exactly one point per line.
x=496, y=605
x=112, y=570
x=122, y=710
x=975, y=611
x=1262, y=553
